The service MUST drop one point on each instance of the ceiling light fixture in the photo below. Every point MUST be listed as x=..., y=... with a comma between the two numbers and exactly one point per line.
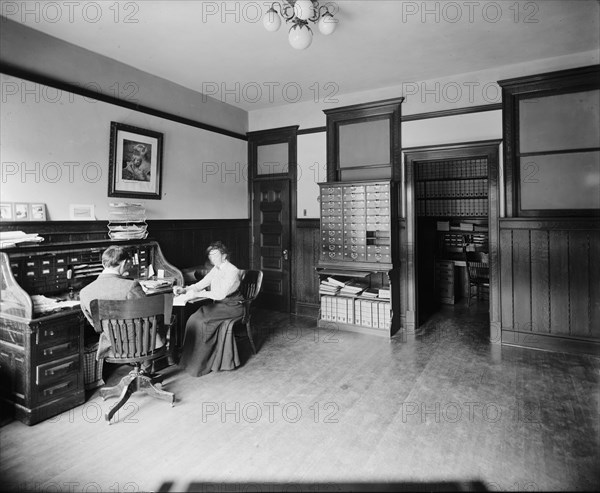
x=298, y=13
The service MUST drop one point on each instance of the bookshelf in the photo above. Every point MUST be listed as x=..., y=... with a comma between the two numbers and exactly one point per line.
x=365, y=307
x=453, y=188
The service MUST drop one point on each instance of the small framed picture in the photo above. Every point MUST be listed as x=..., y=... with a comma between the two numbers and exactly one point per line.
x=6, y=212
x=37, y=212
x=81, y=212
x=21, y=212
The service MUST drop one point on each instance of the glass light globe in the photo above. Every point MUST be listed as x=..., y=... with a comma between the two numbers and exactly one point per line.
x=327, y=24
x=303, y=9
x=300, y=36
x=271, y=20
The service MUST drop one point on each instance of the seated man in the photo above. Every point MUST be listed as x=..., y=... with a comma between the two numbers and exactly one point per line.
x=111, y=285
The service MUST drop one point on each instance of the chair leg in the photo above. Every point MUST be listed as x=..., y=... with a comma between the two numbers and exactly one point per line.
x=125, y=395
x=106, y=392
x=250, y=337
x=146, y=385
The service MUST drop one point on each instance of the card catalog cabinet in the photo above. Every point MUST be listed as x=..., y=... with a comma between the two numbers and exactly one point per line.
x=356, y=246
x=41, y=355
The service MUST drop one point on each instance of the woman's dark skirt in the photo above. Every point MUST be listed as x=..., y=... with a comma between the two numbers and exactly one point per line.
x=209, y=344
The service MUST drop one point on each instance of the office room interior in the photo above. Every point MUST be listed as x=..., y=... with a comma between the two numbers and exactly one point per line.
x=410, y=189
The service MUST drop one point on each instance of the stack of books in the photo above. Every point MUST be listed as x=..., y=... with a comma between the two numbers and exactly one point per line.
x=353, y=288
x=330, y=286
x=370, y=293
x=384, y=293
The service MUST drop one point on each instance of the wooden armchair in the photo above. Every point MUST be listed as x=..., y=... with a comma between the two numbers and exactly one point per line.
x=251, y=282
x=134, y=327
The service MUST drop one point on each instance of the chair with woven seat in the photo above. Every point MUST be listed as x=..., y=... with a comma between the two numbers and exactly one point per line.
x=134, y=327
x=250, y=284
x=478, y=273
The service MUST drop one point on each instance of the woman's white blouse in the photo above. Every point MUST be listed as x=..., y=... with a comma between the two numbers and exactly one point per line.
x=223, y=280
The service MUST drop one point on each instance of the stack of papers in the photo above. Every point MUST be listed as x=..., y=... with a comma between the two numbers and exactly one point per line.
x=43, y=304
x=158, y=285
x=10, y=239
x=182, y=299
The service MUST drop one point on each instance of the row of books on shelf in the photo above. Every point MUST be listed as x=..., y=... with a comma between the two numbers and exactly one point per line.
x=357, y=311
x=351, y=287
x=452, y=207
x=464, y=168
x=461, y=188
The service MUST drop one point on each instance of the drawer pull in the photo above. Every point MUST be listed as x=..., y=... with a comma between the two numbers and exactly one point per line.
x=48, y=333
x=56, y=369
x=56, y=388
x=50, y=351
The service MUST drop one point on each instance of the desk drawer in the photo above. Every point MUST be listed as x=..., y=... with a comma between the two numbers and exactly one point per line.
x=56, y=389
x=55, y=331
x=58, y=350
x=56, y=369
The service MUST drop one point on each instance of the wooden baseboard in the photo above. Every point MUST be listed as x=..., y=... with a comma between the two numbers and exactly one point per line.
x=307, y=309
x=550, y=342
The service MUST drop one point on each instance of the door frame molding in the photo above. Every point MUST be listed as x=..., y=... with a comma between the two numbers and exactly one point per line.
x=279, y=135
x=491, y=150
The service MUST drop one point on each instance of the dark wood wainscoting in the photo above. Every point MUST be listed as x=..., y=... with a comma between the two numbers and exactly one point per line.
x=550, y=284
x=305, y=285
x=183, y=242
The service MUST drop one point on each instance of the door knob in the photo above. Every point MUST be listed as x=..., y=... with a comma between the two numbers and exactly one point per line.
x=285, y=254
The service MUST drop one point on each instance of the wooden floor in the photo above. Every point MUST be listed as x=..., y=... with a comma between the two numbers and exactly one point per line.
x=335, y=411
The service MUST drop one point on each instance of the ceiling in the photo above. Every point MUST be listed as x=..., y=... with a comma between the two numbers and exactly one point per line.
x=221, y=47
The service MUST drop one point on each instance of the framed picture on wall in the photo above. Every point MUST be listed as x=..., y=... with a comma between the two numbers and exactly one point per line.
x=135, y=162
x=21, y=212
x=6, y=212
x=37, y=212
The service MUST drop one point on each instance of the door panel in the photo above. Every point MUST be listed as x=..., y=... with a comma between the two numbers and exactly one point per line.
x=271, y=230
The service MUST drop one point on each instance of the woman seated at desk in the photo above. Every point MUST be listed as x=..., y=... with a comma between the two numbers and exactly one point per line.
x=209, y=344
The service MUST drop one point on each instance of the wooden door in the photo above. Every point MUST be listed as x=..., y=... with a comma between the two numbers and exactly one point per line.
x=272, y=247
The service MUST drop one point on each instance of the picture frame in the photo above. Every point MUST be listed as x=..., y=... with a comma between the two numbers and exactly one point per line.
x=37, y=211
x=135, y=162
x=21, y=211
x=81, y=212
x=6, y=211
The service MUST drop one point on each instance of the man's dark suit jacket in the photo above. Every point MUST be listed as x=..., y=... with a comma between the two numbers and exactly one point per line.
x=108, y=287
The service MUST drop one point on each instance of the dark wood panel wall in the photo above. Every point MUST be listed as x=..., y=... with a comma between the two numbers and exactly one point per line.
x=183, y=242
x=305, y=285
x=550, y=284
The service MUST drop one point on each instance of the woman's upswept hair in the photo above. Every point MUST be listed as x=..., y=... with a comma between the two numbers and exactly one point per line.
x=114, y=255
x=217, y=245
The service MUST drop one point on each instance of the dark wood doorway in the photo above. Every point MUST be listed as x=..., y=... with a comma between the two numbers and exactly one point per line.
x=420, y=242
x=272, y=174
x=272, y=250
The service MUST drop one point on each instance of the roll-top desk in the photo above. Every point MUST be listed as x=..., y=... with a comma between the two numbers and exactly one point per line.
x=41, y=354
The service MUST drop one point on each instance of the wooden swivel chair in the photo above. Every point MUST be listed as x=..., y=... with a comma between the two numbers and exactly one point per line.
x=133, y=327
x=478, y=273
x=251, y=282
